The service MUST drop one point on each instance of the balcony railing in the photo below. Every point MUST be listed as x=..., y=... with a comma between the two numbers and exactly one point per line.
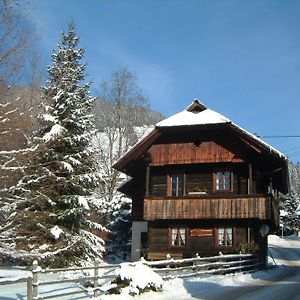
x=210, y=207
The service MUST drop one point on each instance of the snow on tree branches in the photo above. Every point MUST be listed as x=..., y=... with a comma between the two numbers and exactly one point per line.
x=51, y=219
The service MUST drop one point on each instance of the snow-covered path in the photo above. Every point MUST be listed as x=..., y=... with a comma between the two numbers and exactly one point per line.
x=281, y=283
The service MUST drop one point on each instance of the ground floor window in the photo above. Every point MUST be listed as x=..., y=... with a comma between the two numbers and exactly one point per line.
x=225, y=237
x=178, y=237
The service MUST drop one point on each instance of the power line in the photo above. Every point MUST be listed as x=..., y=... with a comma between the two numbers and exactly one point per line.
x=279, y=136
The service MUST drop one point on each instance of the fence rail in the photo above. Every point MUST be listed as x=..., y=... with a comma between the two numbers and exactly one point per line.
x=168, y=269
x=36, y=282
x=221, y=264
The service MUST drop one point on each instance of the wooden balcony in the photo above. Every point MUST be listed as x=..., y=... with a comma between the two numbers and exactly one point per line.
x=210, y=207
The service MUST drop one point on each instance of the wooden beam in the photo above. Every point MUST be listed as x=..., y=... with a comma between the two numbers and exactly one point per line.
x=147, y=180
x=250, y=178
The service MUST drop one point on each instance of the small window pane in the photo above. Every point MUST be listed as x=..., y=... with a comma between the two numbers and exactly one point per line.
x=174, y=236
x=227, y=180
x=221, y=240
x=177, y=185
x=182, y=236
x=228, y=236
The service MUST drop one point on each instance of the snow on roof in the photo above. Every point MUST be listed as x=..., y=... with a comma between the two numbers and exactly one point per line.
x=197, y=114
x=187, y=118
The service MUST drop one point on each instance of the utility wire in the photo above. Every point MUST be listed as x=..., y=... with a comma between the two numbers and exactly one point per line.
x=280, y=136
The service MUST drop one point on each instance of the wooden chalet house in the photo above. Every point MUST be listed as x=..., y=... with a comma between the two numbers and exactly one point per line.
x=201, y=184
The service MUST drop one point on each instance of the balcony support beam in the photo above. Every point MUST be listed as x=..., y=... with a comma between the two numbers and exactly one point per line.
x=250, y=179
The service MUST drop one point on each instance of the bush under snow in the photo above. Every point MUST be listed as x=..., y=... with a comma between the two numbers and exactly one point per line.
x=135, y=279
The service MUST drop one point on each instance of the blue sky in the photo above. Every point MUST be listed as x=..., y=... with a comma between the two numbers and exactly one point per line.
x=240, y=58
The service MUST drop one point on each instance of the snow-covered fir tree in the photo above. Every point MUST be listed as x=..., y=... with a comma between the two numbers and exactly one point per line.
x=120, y=227
x=292, y=203
x=51, y=217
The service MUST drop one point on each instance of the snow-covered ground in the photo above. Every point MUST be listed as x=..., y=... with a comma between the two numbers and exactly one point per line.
x=281, y=282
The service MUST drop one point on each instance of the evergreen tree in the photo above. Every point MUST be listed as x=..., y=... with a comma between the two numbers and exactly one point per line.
x=293, y=200
x=120, y=227
x=56, y=195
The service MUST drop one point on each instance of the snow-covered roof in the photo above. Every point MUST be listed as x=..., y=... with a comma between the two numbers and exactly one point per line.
x=197, y=114
x=190, y=117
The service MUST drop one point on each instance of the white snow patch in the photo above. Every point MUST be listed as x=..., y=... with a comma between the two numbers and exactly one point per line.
x=186, y=118
x=56, y=130
x=139, y=276
x=56, y=232
x=67, y=166
x=83, y=202
x=47, y=117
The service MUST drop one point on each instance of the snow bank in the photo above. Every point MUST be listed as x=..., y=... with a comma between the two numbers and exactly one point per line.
x=139, y=278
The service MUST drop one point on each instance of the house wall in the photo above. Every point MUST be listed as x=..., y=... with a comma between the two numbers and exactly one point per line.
x=199, y=177
x=187, y=153
x=137, y=247
x=206, y=245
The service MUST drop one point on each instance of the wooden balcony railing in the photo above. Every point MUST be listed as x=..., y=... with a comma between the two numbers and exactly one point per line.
x=233, y=207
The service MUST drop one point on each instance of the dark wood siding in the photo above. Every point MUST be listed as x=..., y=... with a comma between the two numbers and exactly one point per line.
x=198, y=182
x=240, y=236
x=226, y=207
x=186, y=153
x=158, y=185
x=159, y=235
x=137, y=213
x=200, y=244
x=158, y=239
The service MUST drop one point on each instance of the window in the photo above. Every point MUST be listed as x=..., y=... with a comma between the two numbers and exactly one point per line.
x=223, y=181
x=225, y=237
x=178, y=237
x=177, y=185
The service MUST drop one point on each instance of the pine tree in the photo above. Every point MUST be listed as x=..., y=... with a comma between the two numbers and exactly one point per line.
x=293, y=200
x=56, y=195
x=120, y=227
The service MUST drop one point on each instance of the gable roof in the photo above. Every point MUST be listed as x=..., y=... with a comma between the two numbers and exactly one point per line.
x=196, y=114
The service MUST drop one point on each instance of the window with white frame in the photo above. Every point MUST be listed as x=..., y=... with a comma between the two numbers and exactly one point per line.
x=178, y=237
x=177, y=185
x=225, y=237
x=223, y=181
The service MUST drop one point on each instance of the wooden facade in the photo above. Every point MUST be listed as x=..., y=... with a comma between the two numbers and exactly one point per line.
x=202, y=188
x=228, y=207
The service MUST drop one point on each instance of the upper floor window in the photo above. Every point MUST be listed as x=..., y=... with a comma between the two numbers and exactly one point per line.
x=177, y=185
x=223, y=181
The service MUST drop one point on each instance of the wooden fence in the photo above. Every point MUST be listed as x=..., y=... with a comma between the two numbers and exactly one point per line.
x=35, y=282
x=222, y=264
x=168, y=269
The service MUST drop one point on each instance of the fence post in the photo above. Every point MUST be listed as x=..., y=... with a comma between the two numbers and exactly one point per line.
x=96, y=274
x=35, y=280
x=196, y=263
x=29, y=289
